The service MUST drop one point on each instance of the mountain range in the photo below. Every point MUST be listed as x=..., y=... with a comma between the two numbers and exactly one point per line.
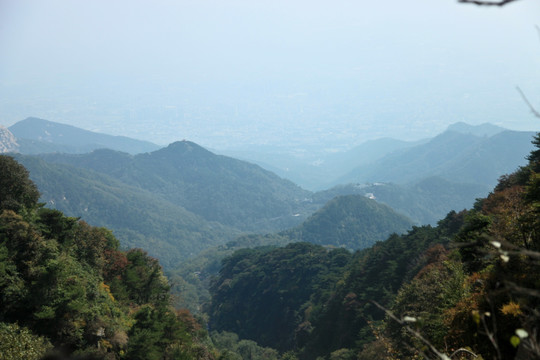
x=459, y=154
x=36, y=136
x=183, y=198
x=215, y=187
x=453, y=155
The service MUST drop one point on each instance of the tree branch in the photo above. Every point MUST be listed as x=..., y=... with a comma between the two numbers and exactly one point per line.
x=487, y=3
x=533, y=110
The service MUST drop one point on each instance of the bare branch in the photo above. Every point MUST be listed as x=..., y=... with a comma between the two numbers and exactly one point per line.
x=491, y=334
x=533, y=110
x=487, y=3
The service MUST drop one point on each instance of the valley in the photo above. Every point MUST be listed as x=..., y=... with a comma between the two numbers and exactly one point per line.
x=312, y=264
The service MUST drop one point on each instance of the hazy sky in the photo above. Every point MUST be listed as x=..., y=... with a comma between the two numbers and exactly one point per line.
x=268, y=72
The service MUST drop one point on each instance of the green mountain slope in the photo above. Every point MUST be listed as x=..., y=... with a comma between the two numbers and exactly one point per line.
x=66, y=284
x=260, y=293
x=424, y=202
x=42, y=136
x=137, y=217
x=352, y=221
x=469, y=283
x=315, y=301
x=217, y=188
x=455, y=156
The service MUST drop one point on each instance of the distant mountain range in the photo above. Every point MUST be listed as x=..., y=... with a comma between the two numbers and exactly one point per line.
x=464, y=153
x=452, y=155
x=318, y=170
x=314, y=170
x=36, y=136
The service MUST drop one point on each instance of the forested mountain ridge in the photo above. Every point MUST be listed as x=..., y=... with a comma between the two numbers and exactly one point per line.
x=66, y=285
x=37, y=136
x=424, y=202
x=350, y=222
x=353, y=222
x=465, y=288
x=138, y=218
x=217, y=188
x=325, y=318
x=454, y=156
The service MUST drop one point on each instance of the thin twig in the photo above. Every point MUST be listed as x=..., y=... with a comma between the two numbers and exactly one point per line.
x=533, y=110
x=487, y=3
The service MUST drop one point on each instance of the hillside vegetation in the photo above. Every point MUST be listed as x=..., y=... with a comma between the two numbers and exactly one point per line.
x=425, y=202
x=217, y=188
x=139, y=218
x=350, y=222
x=467, y=287
x=66, y=285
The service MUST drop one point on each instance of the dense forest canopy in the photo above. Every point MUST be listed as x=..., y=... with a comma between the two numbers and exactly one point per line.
x=67, y=285
x=467, y=287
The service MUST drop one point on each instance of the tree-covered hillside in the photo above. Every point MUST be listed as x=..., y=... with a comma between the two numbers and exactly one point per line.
x=217, y=188
x=66, y=285
x=467, y=288
x=324, y=323
x=353, y=222
x=425, y=202
x=262, y=294
x=139, y=218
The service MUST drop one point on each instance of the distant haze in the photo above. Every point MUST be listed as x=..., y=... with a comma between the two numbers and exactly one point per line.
x=233, y=74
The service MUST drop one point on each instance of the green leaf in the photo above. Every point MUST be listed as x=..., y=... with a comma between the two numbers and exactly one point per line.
x=514, y=340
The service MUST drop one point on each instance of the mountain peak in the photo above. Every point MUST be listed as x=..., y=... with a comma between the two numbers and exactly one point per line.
x=183, y=147
x=485, y=129
x=50, y=136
